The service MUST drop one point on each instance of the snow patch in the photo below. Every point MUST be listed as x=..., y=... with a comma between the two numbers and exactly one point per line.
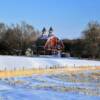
x=12, y=62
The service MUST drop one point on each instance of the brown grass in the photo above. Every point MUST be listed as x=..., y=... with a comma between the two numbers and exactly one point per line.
x=30, y=72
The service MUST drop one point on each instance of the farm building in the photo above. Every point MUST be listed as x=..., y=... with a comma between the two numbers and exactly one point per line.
x=48, y=43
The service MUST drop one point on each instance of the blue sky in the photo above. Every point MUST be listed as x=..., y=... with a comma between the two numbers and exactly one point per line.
x=67, y=17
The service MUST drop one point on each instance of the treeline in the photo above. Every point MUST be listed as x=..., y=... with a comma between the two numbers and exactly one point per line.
x=87, y=46
x=14, y=39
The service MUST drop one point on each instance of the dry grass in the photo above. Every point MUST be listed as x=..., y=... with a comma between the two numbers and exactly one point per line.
x=30, y=72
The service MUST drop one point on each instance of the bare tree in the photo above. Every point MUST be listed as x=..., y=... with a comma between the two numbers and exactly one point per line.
x=91, y=37
x=17, y=38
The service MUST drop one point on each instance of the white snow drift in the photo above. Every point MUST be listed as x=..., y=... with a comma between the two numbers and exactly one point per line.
x=17, y=62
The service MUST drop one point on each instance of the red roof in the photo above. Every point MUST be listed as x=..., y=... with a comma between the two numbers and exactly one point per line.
x=54, y=43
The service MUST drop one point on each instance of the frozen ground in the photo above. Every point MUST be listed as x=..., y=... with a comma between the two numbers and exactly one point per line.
x=51, y=87
x=80, y=86
x=11, y=62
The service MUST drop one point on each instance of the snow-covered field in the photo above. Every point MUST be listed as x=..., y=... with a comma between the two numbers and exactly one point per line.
x=11, y=62
x=50, y=87
x=79, y=86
